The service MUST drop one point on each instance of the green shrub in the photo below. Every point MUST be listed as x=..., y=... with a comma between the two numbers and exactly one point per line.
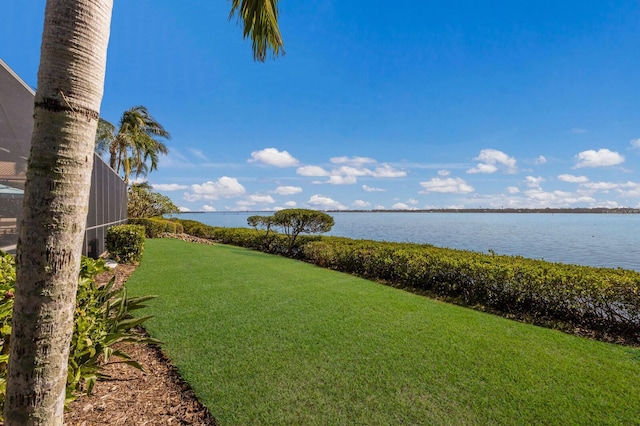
x=170, y=226
x=7, y=288
x=153, y=227
x=125, y=243
x=179, y=227
x=598, y=299
x=197, y=229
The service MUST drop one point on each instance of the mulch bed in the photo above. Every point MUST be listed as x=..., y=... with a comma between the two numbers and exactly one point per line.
x=155, y=396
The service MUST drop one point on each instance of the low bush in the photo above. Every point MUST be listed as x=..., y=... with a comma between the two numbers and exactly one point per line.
x=102, y=318
x=153, y=227
x=125, y=243
x=598, y=299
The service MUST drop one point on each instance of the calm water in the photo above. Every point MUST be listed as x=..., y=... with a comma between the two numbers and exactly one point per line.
x=587, y=239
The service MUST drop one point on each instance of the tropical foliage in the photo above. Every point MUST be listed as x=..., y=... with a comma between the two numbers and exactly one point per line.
x=102, y=318
x=142, y=202
x=134, y=149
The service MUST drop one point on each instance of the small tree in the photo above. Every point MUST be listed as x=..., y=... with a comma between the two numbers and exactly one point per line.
x=293, y=222
x=263, y=223
x=144, y=203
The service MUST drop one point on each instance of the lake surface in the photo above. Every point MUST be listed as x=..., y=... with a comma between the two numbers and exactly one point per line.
x=608, y=240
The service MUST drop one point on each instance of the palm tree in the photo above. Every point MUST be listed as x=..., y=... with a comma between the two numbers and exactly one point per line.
x=66, y=113
x=134, y=144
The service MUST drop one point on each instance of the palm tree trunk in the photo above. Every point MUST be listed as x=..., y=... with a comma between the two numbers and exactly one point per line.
x=67, y=103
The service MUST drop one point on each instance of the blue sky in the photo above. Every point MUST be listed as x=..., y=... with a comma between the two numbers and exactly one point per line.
x=378, y=104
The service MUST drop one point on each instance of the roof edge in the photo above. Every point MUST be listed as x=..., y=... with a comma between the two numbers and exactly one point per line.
x=16, y=76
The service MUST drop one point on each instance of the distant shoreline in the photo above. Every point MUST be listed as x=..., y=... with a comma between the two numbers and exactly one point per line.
x=596, y=210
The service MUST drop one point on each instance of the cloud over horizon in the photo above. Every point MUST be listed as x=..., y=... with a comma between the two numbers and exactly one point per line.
x=600, y=158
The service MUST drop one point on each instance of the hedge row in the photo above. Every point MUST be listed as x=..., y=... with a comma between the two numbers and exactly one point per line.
x=603, y=300
x=155, y=226
x=272, y=242
x=599, y=299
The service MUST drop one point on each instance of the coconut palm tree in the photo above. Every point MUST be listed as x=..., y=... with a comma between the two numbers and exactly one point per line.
x=66, y=113
x=134, y=144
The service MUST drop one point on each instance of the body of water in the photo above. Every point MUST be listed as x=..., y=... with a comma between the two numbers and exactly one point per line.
x=608, y=240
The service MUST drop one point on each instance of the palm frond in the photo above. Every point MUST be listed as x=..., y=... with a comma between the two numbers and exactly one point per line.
x=260, y=23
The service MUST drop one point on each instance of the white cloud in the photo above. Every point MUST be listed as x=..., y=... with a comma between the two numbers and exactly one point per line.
x=635, y=143
x=139, y=179
x=312, y=171
x=208, y=208
x=260, y=199
x=386, y=171
x=255, y=199
x=367, y=188
x=540, y=160
x=198, y=153
x=490, y=159
x=273, y=157
x=600, y=158
x=483, y=168
x=342, y=180
x=225, y=187
x=361, y=203
x=351, y=171
x=412, y=201
x=444, y=172
x=513, y=190
x=534, y=182
x=287, y=190
x=325, y=203
x=184, y=209
x=572, y=178
x=626, y=189
x=169, y=186
x=356, y=161
x=538, y=197
x=290, y=204
x=448, y=185
x=401, y=206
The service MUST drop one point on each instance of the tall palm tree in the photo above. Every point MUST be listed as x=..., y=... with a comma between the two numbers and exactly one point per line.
x=67, y=103
x=135, y=143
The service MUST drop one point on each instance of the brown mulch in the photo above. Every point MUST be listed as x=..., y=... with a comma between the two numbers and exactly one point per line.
x=155, y=396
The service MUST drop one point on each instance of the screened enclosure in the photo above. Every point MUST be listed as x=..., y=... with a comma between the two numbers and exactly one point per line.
x=108, y=198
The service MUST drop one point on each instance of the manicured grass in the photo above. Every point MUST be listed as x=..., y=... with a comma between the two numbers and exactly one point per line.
x=268, y=340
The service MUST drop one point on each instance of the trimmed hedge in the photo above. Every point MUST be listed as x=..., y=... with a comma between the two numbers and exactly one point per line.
x=599, y=299
x=126, y=242
x=155, y=226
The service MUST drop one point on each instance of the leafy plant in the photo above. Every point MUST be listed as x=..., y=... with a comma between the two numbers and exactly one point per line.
x=7, y=287
x=126, y=242
x=142, y=202
x=102, y=319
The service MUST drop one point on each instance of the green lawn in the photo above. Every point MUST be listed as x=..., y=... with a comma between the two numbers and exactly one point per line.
x=267, y=340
